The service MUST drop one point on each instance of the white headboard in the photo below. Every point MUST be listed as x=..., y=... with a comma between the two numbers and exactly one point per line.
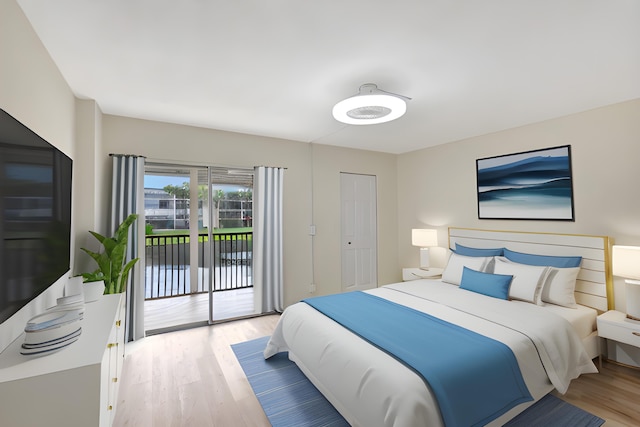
x=594, y=287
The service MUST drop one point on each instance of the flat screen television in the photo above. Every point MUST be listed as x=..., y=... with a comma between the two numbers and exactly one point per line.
x=35, y=215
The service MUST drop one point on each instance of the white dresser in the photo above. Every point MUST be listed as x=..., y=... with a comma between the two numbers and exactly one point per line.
x=76, y=386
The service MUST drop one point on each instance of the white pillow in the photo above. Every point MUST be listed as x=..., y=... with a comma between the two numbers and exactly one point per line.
x=559, y=286
x=453, y=271
x=527, y=279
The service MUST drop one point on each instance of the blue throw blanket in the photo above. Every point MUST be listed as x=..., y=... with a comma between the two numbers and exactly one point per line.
x=475, y=379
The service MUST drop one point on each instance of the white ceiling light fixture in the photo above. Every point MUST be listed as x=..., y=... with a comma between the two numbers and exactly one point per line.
x=370, y=106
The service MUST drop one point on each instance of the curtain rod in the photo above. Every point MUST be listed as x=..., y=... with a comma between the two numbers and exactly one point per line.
x=187, y=164
x=278, y=167
x=126, y=155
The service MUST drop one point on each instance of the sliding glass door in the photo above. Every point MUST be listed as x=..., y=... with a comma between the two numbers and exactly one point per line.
x=231, y=243
x=198, y=246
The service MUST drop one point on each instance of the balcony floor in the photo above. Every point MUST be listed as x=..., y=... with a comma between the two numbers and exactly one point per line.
x=177, y=312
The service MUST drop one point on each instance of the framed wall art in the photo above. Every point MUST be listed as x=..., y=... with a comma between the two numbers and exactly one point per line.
x=532, y=185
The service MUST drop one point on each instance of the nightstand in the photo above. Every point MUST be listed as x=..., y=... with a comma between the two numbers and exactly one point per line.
x=614, y=325
x=418, y=273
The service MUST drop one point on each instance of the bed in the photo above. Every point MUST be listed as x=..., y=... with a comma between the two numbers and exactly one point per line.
x=550, y=343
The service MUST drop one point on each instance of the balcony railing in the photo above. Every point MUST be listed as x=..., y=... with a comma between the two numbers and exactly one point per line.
x=168, y=264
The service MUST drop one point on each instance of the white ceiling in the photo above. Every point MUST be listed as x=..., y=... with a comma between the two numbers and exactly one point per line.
x=276, y=68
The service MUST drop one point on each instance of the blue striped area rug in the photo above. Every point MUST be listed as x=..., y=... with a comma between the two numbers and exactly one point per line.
x=290, y=400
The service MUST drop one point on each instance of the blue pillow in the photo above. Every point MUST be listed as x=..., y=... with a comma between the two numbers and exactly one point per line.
x=543, y=260
x=463, y=250
x=493, y=285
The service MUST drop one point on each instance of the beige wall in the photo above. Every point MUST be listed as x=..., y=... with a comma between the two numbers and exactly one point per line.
x=33, y=91
x=305, y=164
x=90, y=183
x=31, y=87
x=328, y=162
x=437, y=186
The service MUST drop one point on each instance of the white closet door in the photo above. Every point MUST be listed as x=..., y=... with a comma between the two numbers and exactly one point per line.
x=358, y=232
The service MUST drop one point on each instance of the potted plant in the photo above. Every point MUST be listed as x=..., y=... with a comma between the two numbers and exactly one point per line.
x=112, y=268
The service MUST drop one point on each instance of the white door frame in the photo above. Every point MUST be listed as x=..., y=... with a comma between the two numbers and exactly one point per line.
x=358, y=231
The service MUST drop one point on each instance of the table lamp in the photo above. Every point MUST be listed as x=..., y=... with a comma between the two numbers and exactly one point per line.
x=424, y=238
x=626, y=263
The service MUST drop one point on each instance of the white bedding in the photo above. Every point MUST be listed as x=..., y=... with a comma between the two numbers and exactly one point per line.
x=370, y=388
x=582, y=318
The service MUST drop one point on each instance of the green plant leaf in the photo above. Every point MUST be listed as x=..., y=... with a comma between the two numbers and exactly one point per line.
x=111, y=262
x=109, y=244
x=125, y=274
x=99, y=237
x=94, y=276
x=103, y=261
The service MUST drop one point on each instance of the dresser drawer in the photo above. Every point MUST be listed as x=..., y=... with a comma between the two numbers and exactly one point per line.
x=619, y=332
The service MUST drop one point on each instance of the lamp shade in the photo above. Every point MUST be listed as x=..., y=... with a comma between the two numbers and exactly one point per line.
x=424, y=237
x=626, y=261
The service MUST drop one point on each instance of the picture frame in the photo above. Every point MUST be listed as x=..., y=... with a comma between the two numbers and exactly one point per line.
x=530, y=185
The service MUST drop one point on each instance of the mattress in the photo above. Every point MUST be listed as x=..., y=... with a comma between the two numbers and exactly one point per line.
x=371, y=388
x=581, y=318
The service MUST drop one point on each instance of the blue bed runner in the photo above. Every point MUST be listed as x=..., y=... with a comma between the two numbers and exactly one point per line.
x=475, y=379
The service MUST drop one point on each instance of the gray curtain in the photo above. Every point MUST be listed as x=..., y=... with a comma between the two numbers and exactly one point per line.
x=267, y=239
x=128, y=197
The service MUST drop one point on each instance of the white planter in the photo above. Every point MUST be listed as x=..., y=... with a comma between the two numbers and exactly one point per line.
x=93, y=290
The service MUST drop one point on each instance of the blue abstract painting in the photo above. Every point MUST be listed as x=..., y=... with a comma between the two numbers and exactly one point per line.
x=530, y=185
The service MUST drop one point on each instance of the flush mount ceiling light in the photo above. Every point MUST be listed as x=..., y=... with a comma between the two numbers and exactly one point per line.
x=370, y=106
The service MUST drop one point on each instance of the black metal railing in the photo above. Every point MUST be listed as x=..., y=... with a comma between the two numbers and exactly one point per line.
x=168, y=264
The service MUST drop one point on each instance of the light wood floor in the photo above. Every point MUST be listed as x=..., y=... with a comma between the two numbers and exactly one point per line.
x=613, y=394
x=167, y=313
x=192, y=378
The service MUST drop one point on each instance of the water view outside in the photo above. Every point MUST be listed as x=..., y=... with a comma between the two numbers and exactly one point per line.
x=168, y=263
